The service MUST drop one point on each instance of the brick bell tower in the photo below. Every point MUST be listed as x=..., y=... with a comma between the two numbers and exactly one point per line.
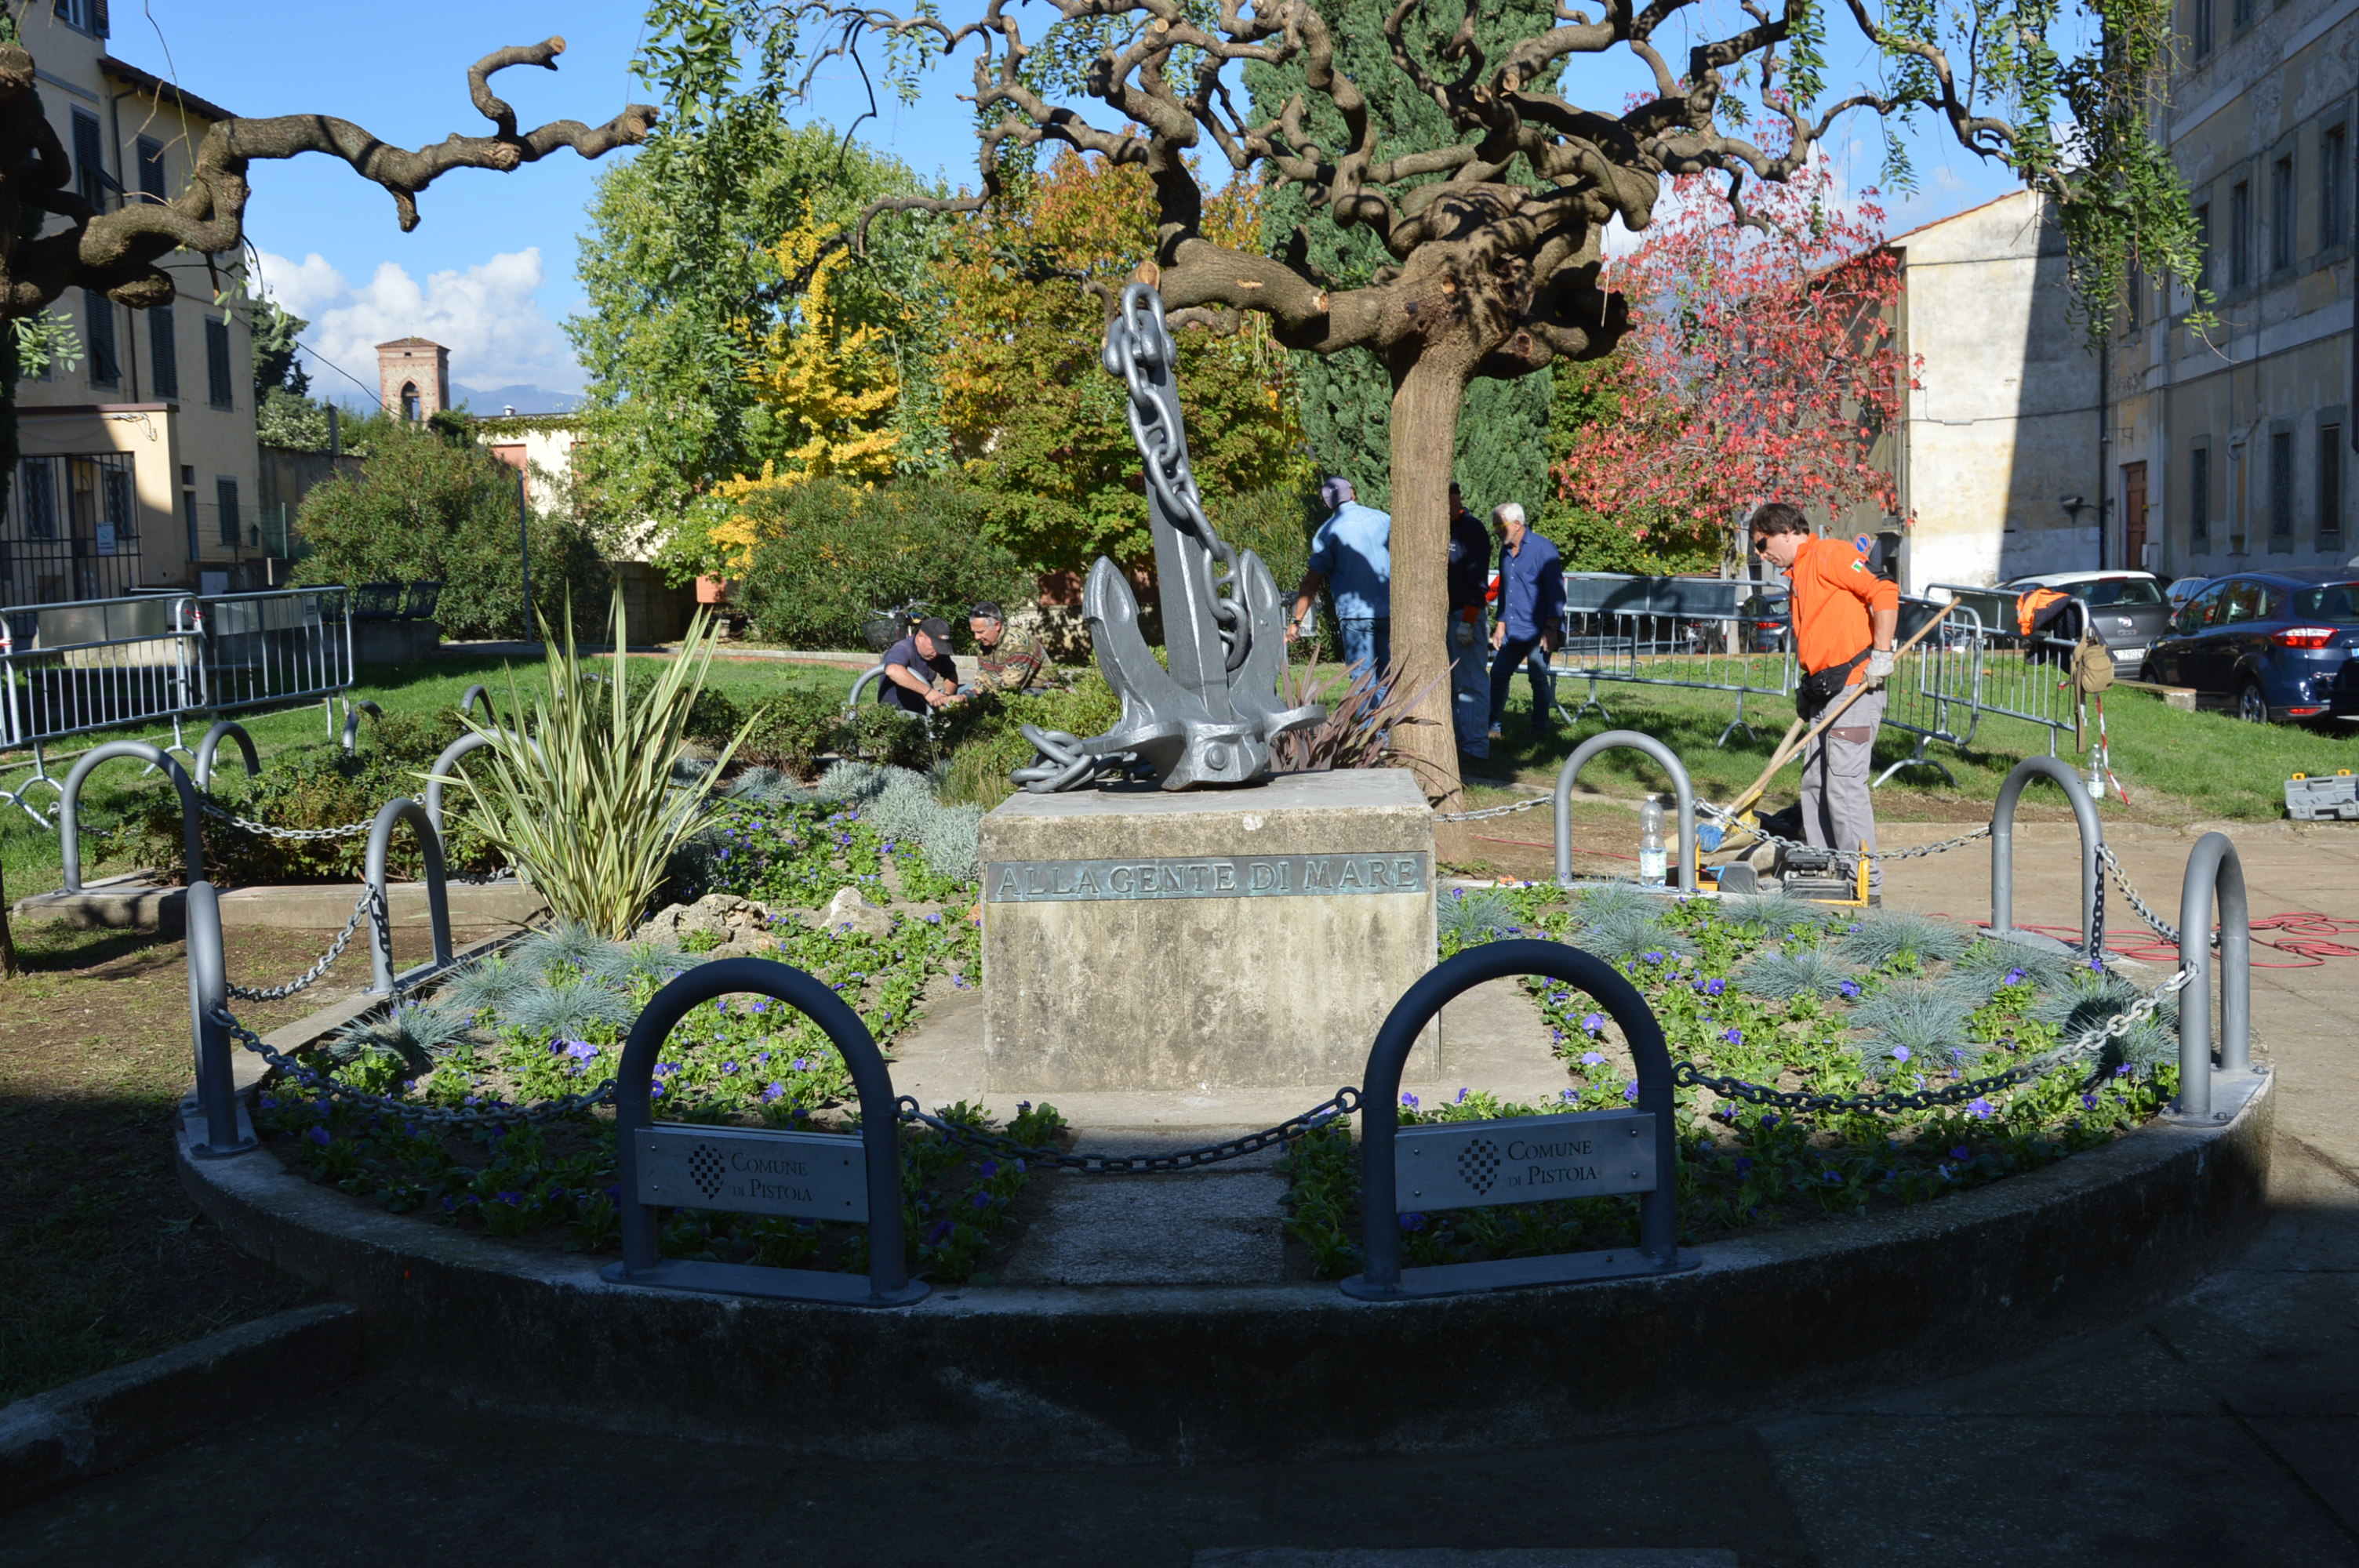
x=413, y=377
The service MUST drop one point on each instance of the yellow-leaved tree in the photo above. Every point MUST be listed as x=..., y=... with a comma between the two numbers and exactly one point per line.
x=828, y=383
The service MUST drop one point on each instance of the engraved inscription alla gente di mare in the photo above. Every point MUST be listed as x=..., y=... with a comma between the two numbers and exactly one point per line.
x=1216, y=876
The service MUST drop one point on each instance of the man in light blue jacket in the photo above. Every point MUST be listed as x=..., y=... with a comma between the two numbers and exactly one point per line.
x=1351, y=558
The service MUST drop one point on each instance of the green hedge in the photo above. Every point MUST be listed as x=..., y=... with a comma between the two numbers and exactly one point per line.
x=839, y=551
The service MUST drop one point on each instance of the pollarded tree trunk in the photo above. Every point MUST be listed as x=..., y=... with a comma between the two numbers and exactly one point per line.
x=1427, y=395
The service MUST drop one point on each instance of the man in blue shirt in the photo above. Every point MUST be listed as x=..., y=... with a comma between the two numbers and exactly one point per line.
x=1352, y=559
x=1531, y=611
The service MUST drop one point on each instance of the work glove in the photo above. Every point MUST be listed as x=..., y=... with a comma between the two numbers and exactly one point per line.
x=1879, y=667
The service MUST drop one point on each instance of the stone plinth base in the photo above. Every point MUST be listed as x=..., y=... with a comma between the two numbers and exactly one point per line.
x=1145, y=940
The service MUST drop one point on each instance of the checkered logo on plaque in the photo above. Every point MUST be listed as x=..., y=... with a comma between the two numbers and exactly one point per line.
x=705, y=1169
x=1478, y=1165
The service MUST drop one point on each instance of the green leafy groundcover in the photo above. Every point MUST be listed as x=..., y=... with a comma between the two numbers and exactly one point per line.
x=1797, y=996
x=547, y=1017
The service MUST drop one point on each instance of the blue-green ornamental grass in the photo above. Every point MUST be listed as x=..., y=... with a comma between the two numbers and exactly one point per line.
x=546, y=1019
x=1825, y=1003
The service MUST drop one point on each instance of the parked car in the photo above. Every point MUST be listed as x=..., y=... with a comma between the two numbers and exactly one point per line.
x=2181, y=589
x=2267, y=645
x=2128, y=609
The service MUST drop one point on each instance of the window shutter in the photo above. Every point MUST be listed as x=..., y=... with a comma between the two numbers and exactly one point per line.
x=165, y=352
x=97, y=19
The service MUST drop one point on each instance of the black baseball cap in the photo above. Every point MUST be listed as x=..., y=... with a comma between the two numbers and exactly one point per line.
x=937, y=628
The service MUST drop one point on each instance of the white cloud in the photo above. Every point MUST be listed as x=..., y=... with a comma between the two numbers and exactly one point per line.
x=488, y=316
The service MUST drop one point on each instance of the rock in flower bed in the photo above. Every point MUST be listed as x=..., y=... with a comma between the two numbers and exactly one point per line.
x=1797, y=996
x=547, y=1018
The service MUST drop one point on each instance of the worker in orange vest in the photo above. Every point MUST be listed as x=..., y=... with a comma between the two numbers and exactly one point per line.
x=1844, y=619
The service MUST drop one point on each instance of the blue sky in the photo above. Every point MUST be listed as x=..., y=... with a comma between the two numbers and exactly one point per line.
x=490, y=271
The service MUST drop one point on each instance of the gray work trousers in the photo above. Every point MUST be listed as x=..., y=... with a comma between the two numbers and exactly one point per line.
x=1837, y=813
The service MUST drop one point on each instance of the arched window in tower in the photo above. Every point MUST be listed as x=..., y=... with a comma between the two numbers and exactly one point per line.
x=409, y=401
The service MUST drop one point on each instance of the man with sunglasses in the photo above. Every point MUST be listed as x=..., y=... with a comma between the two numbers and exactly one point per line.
x=1844, y=619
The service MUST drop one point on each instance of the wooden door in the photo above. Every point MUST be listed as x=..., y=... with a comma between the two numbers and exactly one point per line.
x=2134, y=516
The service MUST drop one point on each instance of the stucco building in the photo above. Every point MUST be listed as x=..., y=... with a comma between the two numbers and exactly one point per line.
x=2231, y=448
x=139, y=466
x=1997, y=439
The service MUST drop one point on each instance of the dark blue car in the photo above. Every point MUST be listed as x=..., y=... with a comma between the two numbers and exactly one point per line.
x=2267, y=645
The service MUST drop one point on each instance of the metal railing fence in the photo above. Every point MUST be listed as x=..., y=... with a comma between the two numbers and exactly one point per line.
x=2026, y=678
x=1700, y=633
x=79, y=667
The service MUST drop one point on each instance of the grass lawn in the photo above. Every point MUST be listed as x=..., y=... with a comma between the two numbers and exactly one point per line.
x=2178, y=767
x=28, y=851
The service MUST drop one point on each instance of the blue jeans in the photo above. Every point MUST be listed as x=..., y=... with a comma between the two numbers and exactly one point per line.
x=1367, y=643
x=1470, y=695
x=1513, y=652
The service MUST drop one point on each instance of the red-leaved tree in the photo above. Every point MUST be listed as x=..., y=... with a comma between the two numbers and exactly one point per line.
x=1761, y=363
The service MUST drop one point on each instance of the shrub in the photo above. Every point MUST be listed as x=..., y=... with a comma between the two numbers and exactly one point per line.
x=429, y=509
x=983, y=737
x=1920, y=1024
x=830, y=552
x=1881, y=935
x=321, y=787
x=792, y=732
x=887, y=737
x=712, y=717
x=901, y=805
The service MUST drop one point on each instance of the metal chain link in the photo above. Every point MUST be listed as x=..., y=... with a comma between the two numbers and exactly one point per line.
x=1344, y=1102
x=1489, y=811
x=408, y=1110
x=2090, y=1041
x=360, y=907
x=2162, y=928
x=1729, y=821
x=264, y=829
x=1144, y=345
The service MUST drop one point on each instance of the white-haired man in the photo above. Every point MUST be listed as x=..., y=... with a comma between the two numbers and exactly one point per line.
x=1531, y=609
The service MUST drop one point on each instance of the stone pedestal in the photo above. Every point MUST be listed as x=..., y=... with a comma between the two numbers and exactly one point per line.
x=1204, y=939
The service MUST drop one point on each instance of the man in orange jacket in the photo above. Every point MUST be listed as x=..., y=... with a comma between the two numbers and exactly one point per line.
x=1844, y=619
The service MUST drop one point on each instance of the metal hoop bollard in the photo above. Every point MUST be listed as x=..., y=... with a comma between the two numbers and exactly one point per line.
x=873, y=672
x=401, y=808
x=1680, y=788
x=69, y=808
x=352, y=712
x=1465, y=1164
x=474, y=694
x=2002, y=833
x=217, y=1102
x=812, y=1175
x=440, y=774
x=224, y=730
x=2213, y=873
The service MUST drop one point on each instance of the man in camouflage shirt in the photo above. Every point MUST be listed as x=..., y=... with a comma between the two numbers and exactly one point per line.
x=1005, y=660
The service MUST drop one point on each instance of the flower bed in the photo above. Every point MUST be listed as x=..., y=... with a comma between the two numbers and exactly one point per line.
x=1800, y=996
x=546, y=1019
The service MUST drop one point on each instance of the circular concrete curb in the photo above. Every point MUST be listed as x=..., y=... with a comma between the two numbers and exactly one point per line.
x=1204, y=1372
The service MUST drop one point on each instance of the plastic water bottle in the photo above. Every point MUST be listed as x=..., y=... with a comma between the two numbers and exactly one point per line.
x=1652, y=854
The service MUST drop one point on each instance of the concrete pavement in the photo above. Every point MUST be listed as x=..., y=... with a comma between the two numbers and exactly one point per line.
x=2218, y=1431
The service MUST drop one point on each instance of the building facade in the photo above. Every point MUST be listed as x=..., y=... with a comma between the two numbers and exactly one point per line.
x=1994, y=455
x=2230, y=448
x=413, y=377
x=138, y=467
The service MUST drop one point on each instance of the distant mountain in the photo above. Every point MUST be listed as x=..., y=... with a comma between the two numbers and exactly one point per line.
x=475, y=400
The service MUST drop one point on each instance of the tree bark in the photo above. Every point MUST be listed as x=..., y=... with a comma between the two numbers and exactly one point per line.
x=1428, y=391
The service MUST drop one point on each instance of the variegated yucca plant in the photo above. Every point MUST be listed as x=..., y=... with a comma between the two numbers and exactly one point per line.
x=588, y=806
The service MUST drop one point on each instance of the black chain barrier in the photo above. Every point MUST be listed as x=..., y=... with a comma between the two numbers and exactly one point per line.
x=1344, y=1102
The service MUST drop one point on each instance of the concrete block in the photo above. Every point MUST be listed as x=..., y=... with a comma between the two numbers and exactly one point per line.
x=1193, y=940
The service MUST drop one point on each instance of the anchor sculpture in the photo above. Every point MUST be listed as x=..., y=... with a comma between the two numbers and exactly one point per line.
x=1210, y=714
